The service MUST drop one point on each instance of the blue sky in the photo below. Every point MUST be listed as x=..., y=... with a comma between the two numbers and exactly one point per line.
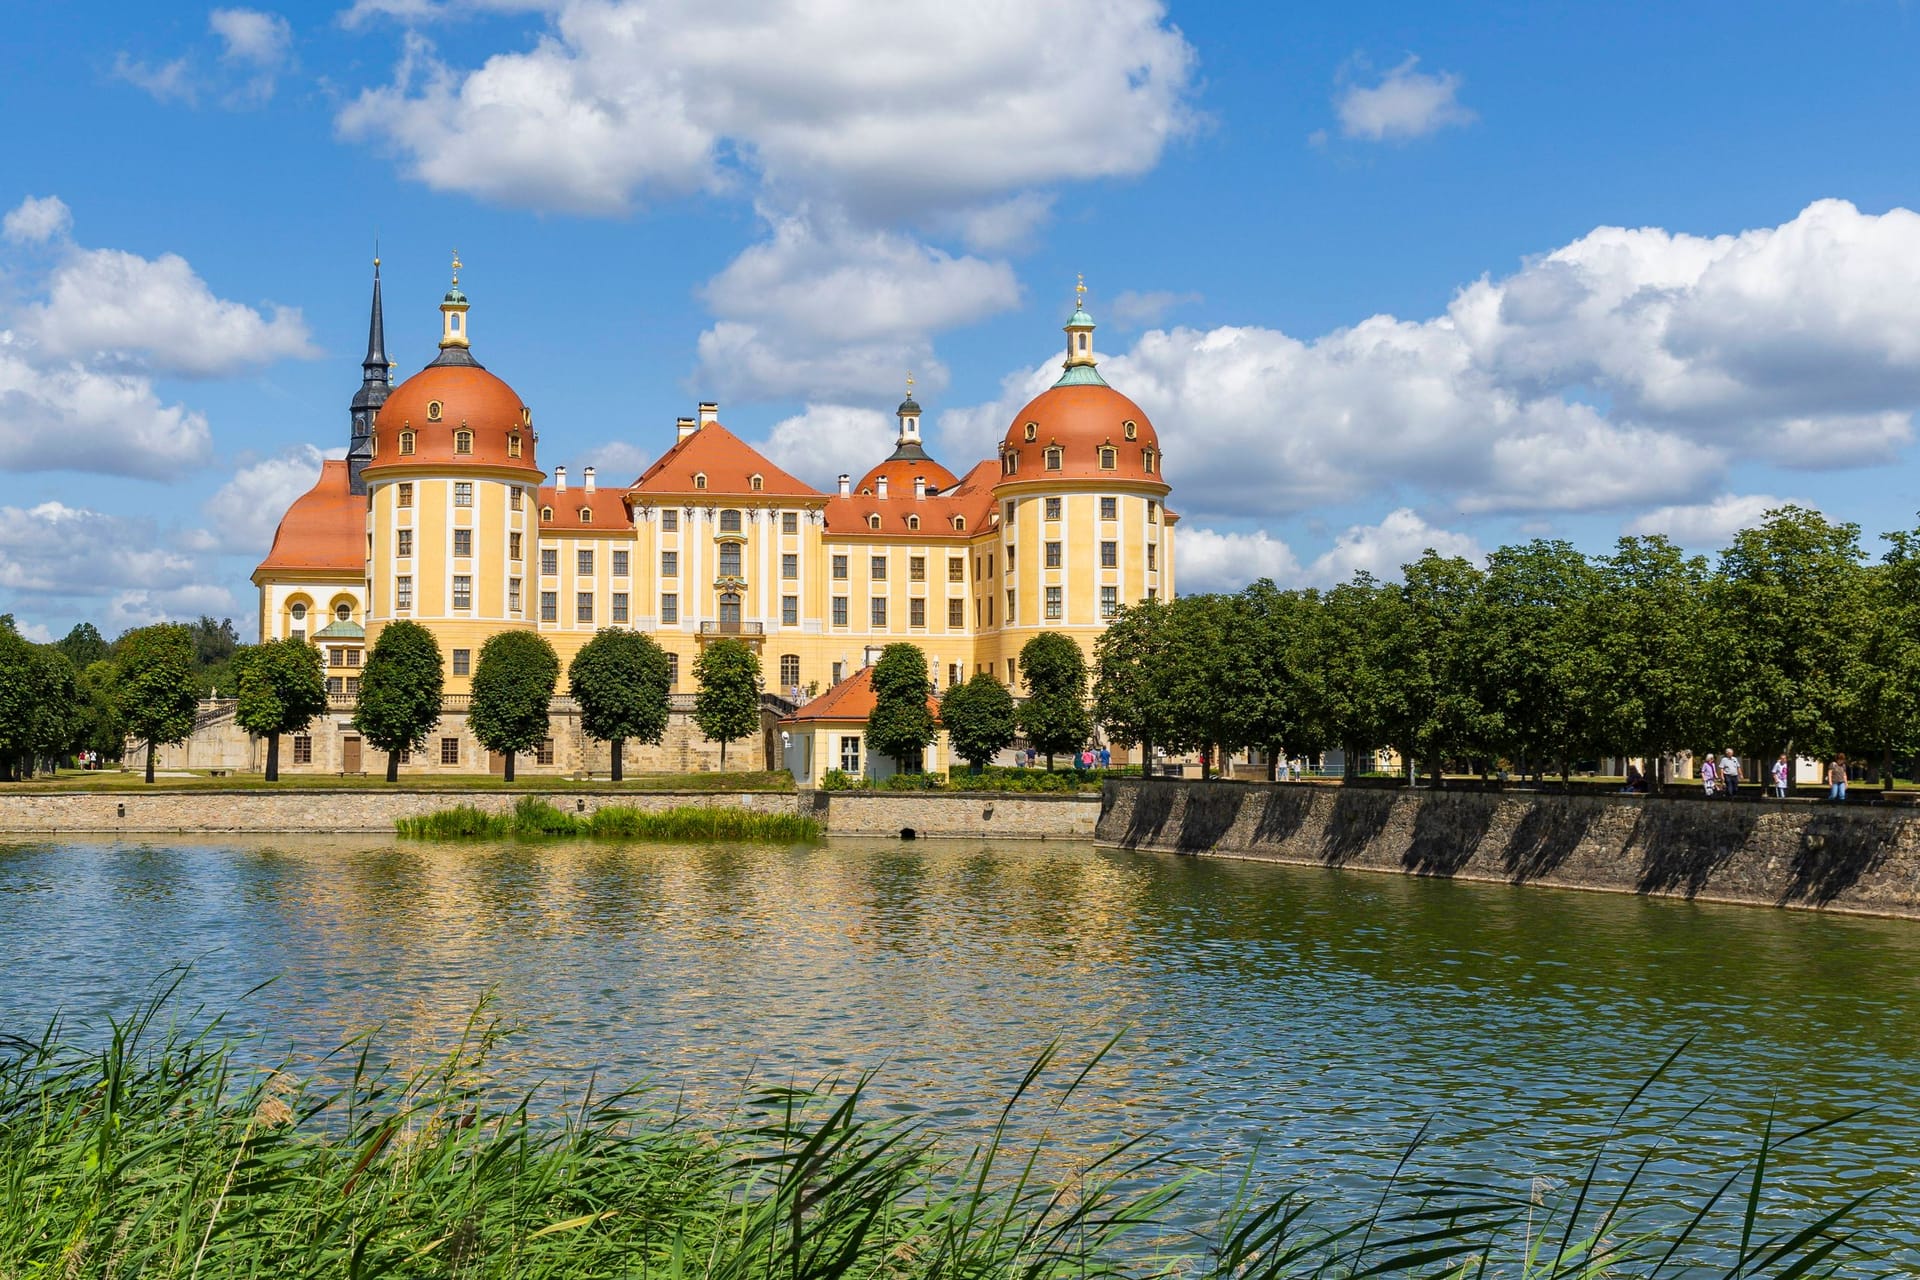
x=1385, y=276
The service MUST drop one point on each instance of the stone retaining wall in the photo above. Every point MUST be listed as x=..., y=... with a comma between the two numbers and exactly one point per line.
x=1016, y=815
x=1794, y=854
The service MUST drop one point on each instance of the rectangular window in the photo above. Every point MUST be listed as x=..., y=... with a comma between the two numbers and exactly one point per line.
x=1010, y=670
x=916, y=568
x=878, y=612
x=403, y=592
x=462, y=661
x=513, y=595
x=916, y=612
x=838, y=668
x=1010, y=609
x=669, y=564
x=353, y=657
x=850, y=753
x=1053, y=555
x=619, y=606
x=839, y=568
x=334, y=687
x=336, y=657
x=449, y=751
x=583, y=563
x=879, y=568
x=789, y=670
x=956, y=614
x=619, y=564
x=1053, y=604
x=1109, y=555
x=462, y=591
x=789, y=567
x=670, y=608
x=302, y=749
x=789, y=522
x=514, y=544
x=583, y=606
x=353, y=686
x=463, y=542
x=669, y=522
x=989, y=564
x=789, y=611
x=513, y=498
x=1109, y=601
x=956, y=568
x=673, y=670
x=839, y=611
x=403, y=542
x=549, y=606
x=1152, y=548
x=543, y=751
x=729, y=559
x=406, y=493
x=1153, y=513
x=463, y=493
x=1109, y=508
x=1053, y=508
x=549, y=562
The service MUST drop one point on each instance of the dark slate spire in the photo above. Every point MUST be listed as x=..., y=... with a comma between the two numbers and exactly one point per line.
x=375, y=381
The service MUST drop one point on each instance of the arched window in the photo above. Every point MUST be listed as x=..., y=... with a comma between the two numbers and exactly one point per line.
x=1133, y=430
x=1084, y=339
x=913, y=522
x=1109, y=457
x=699, y=479
x=757, y=483
x=1032, y=431
x=433, y=411
x=873, y=521
x=463, y=442
x=960, y=524
x=513, y=444
x=729, y=522
x=586, y=515
x=546, y=515
x=1054, y=455
x=526, y=416
x=406, y=443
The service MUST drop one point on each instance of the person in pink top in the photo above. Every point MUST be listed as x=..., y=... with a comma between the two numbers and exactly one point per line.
x=1709, y=775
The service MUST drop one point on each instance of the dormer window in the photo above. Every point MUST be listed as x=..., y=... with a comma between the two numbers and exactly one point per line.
x=913, y=522
x=463, y=442
x=1133, y=430
x=1146, y=456
x=873, y=521
x=546, y=515
x=960, y=524
x=699, y=479
x=729, y=522
x=526, y=416
x=1054, y=456
x=406, y=444
x=513, y=444
x=1032, y=431
x=433, y=411
x=756, y=484
x=1109, y=457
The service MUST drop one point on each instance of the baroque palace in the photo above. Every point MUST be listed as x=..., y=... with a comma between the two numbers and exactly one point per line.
x=442, y=513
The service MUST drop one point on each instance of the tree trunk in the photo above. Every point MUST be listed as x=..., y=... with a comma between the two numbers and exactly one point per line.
x=1886, y=770
x=393, y=766
x=1273, y=762
x=1146, y=757
x=149, y=762
x=1206, y=761
x=723, y=755
x=273, y=757
x=619, y=745
x=506, y=772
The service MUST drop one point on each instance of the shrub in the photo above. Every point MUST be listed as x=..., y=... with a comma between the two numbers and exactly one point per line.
x=840, y=780
x=462, y=822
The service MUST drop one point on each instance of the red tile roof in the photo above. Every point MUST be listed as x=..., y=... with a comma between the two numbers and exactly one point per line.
x=608, y=505
x=728, y=462
x=324, y=530
x=852, y=699
x=971, y=498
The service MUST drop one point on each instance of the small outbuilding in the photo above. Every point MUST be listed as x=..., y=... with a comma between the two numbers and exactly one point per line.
x=830, y=732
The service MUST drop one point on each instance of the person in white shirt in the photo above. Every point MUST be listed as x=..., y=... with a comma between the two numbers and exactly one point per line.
x=1782, y=776
x=1730, y=773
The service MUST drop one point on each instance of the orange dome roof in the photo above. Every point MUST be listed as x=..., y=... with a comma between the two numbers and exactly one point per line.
x=1081, y=418
x=446, y=397
x=900, y=471
x=324, y=530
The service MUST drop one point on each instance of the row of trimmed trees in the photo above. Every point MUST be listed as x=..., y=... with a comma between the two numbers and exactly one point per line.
x=1543, y=657
x=980, y=715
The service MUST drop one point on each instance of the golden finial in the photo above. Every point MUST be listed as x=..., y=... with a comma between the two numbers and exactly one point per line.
x=457, y=264
x=909, y=384
x=1079, y=289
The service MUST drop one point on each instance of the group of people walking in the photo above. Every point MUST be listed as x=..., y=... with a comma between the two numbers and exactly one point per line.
x=1720, y=776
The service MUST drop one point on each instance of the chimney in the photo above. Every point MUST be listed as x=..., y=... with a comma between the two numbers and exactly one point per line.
x=880, y=487
x=846, y=485
x=919, y=486
x=587, y=476
x=559, y=479
x=709, y=413
x=683, y=428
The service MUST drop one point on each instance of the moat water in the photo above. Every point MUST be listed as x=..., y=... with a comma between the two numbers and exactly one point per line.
x=1308, y=1021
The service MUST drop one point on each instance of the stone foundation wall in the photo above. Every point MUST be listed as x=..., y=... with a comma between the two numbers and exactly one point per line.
x=1021, y=816
x=1794, y=854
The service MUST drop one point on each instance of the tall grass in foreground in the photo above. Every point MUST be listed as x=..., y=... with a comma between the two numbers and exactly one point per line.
x=533, y=818
x=160, y=1156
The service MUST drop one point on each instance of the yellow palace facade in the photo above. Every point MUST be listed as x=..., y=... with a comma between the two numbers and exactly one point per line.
x=442, y=514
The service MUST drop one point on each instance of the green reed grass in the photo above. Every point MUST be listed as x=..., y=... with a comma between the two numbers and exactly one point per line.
x=533, y=818
x=160, y=1155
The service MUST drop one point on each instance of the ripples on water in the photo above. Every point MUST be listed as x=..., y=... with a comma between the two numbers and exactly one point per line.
x=1306, y=1019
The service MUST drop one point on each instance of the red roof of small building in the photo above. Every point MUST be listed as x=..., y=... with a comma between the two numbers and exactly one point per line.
x=325, y=529
x=609, y=509
x=851, y=700
x=728, y=462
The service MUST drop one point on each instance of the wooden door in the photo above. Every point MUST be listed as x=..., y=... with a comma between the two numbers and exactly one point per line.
x=496, y=763
x=350, y=755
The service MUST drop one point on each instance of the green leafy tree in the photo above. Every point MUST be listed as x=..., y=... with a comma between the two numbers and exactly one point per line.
x=1885, y=720
x=727, y=705
x=156, y=693
x=214, y=646
x=101, y=730
x=39, y=704
x=512, y=689
x=1130, y=661
x=901, y=725
x=1434, y=708
x=1656, y=682
x=980, y=718
x=620, y=680
x=281, y=688
x=1358, y=623
x=1792, y=598
x=1532, y=654
x=83, y=645
x=1054, y=716
x=1204, y=709
x=400, y=692
x=1276, y=672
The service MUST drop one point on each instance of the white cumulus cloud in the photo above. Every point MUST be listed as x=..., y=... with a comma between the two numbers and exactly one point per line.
x=1707, y=526
x=37, y=220
x=824, y=440
x=1406, y=103
x=252, y=36
x=243, y=513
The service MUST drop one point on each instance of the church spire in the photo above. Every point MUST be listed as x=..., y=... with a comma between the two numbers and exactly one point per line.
x=376, y=381
x=1080, y=367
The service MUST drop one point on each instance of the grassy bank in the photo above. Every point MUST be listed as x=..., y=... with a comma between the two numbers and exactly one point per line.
x=536, y=819
x=110, y=780
x=162, y=1156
